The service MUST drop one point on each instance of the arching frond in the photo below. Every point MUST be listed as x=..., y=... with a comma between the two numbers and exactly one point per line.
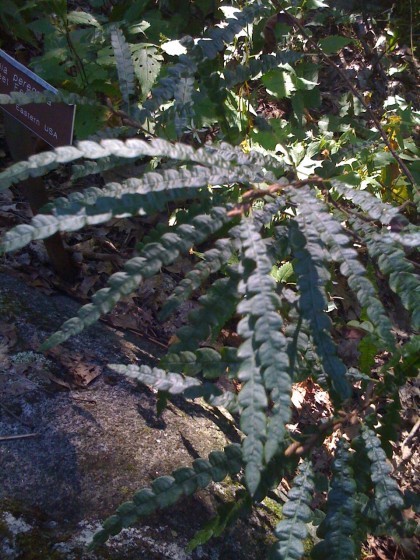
x=264, y=359
x=143, y=196
x=387, y=498
x=216, y=307
x=42, y=163
x=371, y=205
x=337, y=241
x=389, y=251
x=292, y=529
x=159, y=379
x=167, y=490
x=151, y=259
x=310, y=255
x=213, y=260
x=338, y=528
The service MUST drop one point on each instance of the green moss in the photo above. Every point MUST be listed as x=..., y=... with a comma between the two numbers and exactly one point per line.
x=4, y=529
x=10, y=306
x=18, y=509
x=35, y=545
x=274, y=510
x=308, y=545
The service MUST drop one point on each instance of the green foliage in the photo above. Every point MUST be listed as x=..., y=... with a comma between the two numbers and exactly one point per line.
x=390, y=252
x=292, y=530
x=227, y=514
x=337, y=240
x=338, y=528
x=148, y=263
x=159, y=379
x=312, y=277
x=387, y=496
x=235, y=187
x=213, y=261
x=166, y=490
x=265, y=365
x=124, y=64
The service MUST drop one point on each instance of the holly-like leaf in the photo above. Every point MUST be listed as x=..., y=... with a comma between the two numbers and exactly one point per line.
x=147, y=63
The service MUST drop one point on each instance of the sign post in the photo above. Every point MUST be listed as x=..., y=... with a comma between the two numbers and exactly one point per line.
x=53, y=124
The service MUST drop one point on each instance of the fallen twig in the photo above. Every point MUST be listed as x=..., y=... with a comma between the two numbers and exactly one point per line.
x=18, y=436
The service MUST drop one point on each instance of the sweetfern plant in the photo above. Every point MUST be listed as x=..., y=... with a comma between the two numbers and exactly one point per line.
x=251, y=210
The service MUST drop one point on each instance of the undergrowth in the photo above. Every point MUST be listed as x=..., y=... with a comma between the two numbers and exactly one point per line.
x=281, y=209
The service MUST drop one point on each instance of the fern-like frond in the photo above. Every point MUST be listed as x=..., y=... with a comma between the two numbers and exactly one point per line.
x=388, y=249
x=159, y=379
x=387, y=498
x=209, y=46
x=215, y=38
x=292, y=529
x=216, y=307
x=183, y=106
x=237, y=156
x=368, y=202
x=312, y=275
x=243, y=72
x=265, y=365
x=125, y=67
x=227, y=400
x=40, y=164
x=213, y=260
x=167, y=490
x=93, y=167
x=339, y=525
x=155, y=182
x=152, y=258
x=206, y=361
x=406, y=362
x=227, y=514
x=77, y=216
x=337, y=240
x=166, y=86
x=146, y=195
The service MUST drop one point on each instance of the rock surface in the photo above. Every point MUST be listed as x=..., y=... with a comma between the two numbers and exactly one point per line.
x=93, y=447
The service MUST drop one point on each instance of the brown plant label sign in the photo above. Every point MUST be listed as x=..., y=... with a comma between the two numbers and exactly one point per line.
x=53, y=122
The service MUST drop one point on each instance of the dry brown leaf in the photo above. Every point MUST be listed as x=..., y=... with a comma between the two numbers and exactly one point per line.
x=105, y=267
x=48, y=376
x=87, y=284
x=230, y=338
x=298, y=395
x=8, y=333
x=80, y=371
x=85, y=245
x=173, y=340
x=84, y=373
x=127, y=315
x=42, y=284
x=322, y=397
